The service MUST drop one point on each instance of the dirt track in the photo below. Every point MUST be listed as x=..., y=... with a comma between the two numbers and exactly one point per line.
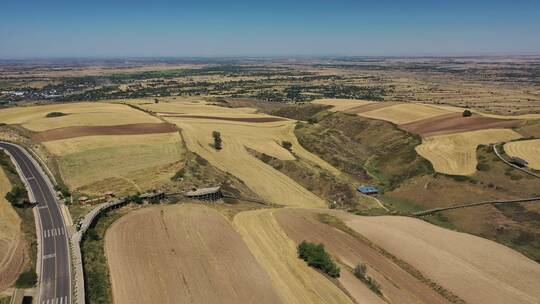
x=455, y=123
x=182, y=254
x=129, y=129
x=397, y=285
x=239, y=119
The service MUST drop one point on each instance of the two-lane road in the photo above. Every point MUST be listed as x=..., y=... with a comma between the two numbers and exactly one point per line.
x=54, y=272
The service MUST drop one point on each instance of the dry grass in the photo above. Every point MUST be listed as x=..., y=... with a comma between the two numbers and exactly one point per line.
x=182, y=254
x=404, y=113
x=455, y=154
x=341, y=105
x=78, y=114
x=477, y=270
x=294, y=281
x=84, y=161
x=528, y=150
x=270, y=184
x=11, y=238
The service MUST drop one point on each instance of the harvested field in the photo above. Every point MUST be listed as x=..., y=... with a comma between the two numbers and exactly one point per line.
x=528, y=150
x=455, y=123
x=475, y=269
x=129, y=129
x=78, y=114
x=370, y=107
x=84, y=161
x=183, y=254
x=397, y=285
x=11, y=238
x=239, y=119
x=294, y=281
x=271, y=185
x=455, y=154
x=404, y=113
x=342, y=104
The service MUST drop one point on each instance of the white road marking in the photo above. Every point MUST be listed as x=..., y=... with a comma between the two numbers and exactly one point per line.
x=43, y=207
x=48, y=256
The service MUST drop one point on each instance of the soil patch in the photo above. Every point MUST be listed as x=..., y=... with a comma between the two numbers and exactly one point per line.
x=455, y=123
x=129, y=129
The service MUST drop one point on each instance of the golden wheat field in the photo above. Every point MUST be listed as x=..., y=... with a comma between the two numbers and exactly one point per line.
x=455, y=154
x=475, y=269
x=294, y=281
x=239, y=136
x=528, y=150
x=183, y=254
x=77, y=114
x=84, y=161
x=340, y=105
x=404, y=113
x=11, y=238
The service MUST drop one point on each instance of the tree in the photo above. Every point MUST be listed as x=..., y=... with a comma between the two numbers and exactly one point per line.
x=287, y=145
x=467, y=113
x=217, y=140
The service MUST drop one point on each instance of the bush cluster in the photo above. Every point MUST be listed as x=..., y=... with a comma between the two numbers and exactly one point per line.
x=316, y=256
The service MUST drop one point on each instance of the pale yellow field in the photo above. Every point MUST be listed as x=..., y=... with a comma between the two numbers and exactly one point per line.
x=294, y=281
x=270, y=184
x=404, y=113
x=528, y=150
x=86, y=160
x=183, y=254
x=456, y=153
x=79, y=114
x=342, y=104
x=475, y=269
x=11, y=239
x=459, y=110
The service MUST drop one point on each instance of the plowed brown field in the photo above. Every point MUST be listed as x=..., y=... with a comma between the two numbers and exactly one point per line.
x=80, y=131
x=182, y=254
x=455, y=123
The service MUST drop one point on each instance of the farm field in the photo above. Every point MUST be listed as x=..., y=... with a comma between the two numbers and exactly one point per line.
x=34, y=118
x=127, y=159
x=397, y=286
x=528, y=150
x=294, y=281
x=265, y=137
x=341, y=105
x=184, y=253
x=477, y=270
x=11, y=238
x=455, y=154
x=404, y=113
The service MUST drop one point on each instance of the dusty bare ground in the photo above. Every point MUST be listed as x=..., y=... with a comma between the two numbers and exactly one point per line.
x=291, y=277
x=11, y=239
x=398, y=286
x=129, y=129
x=182, y=254
x=455, y=123
x=475, y=269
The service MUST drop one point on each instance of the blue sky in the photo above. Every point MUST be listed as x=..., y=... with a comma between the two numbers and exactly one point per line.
x=267, y=28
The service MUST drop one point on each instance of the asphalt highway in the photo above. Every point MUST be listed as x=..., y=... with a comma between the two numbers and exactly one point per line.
x=54, y=273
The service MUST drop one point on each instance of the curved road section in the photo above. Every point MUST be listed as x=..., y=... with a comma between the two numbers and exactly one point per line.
x=54, y=258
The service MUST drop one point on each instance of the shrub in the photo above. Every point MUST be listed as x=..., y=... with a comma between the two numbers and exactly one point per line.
x=467, y=113
x=287, y=145
x=17, y=195
x=482, y=167
x=360, y=273
x=217, y=140
x=26, y=279
x=317, y=257
x=55, y=114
